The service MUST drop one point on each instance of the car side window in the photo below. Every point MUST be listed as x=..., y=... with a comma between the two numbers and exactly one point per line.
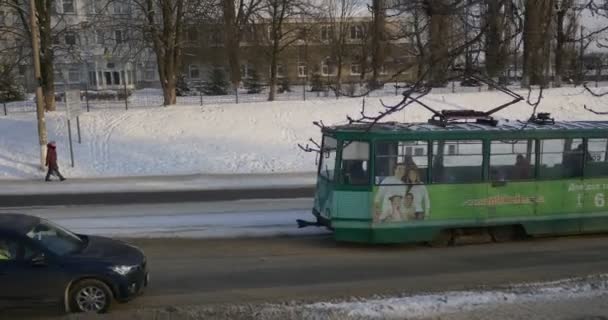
x=9, y=250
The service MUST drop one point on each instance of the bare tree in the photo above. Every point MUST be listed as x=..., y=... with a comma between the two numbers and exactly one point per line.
x=50, y=25
x=339, y=15
x=159, y=25
x=236, y=17
x=278, y=24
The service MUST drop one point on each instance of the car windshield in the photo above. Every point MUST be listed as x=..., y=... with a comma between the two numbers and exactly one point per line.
x=55, y=238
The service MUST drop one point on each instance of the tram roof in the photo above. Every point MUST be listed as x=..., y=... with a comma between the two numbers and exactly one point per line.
x=502, y=126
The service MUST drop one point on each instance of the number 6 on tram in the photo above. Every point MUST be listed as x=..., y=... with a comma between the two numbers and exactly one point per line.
x=401, y=183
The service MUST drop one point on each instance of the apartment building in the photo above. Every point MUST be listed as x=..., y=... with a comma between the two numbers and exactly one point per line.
x=312, y=51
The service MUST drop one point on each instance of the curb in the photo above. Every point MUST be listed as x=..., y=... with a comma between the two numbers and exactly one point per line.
x=143, y=197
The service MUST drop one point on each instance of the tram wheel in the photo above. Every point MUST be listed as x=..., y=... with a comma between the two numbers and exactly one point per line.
x=443, y=239
x=504, y=233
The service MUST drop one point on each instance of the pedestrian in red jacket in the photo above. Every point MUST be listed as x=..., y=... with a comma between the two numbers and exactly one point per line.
x=51, y=162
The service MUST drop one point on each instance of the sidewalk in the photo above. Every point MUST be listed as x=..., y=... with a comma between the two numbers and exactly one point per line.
x=156, y=189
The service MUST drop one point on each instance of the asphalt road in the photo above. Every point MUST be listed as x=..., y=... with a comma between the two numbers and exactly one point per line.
x=209, y=272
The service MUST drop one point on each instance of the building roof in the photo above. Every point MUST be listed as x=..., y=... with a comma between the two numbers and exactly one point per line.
x=17, y=223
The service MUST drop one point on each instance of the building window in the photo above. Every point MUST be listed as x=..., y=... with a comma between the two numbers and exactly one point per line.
x=326, y=32
x=119, y=8
x=58, y=75
x=327, y=69
x=245, y=71
x=216, y=38
x=108, y=78
x=116, y=77
x=302, y=70
x=119, y=37
x=2, y=17
x=280, y=71
x=70, y=39
x=355, y=69
x=92, y=79
x=383, y=69
x=99, y=35
x=68, y=6
x=194, y=72
x=356, y=32
x=150, y=74
x=193, y=35
x=74, y=75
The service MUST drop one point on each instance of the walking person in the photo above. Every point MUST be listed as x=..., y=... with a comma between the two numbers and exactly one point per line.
x=51, y=162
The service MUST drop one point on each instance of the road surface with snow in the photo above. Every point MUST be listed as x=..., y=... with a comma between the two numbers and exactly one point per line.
x=390, y=282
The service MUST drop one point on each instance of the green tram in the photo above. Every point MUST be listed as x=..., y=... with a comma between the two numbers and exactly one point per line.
x=420, y=182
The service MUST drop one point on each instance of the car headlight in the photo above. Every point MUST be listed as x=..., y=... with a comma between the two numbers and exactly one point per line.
x=123, y=270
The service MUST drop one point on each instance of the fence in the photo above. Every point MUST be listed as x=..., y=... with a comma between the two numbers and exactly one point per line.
x=147, y=98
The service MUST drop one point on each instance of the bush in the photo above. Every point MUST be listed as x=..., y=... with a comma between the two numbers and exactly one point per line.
x=252, y=84
x=316, y=84
x=217, y=84
x=285, y=85
x=10, y=90
x=182, y=89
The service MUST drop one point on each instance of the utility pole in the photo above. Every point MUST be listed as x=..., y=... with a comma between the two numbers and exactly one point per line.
x=38, y=78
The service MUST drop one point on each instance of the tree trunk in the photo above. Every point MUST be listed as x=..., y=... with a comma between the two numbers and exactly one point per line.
x=232, y=39
x=493, y=39
x=559, y=47
x=339, y=77
x=273, y=71
x=538, y=18
x=169, y=94
x=378, y=41
x=439, y=31
x=44, y=9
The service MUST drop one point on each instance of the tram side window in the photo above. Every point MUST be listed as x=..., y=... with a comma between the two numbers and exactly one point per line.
x=327, y=163
x=396, y=159
x=561, y=158
x=456, y=161
x=512, y=160
x=355, y=163
x=597, y=165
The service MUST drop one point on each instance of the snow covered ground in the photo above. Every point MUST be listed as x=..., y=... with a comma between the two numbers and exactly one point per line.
x=527, y=301
x=159, y=183
x=229, y=138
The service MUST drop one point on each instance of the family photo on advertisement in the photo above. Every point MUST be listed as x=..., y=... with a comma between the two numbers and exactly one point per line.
x=402, y=196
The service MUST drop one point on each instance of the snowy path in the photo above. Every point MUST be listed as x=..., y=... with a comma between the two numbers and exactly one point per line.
x=190, y=220
x=158, y=183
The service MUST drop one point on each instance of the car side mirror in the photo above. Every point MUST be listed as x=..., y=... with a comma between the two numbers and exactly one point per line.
x=39, y=260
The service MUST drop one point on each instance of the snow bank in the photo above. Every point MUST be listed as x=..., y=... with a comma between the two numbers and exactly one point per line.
x=445, y=303
x=231, y=138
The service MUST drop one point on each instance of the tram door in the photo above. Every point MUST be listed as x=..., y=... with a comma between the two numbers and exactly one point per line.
x=327, y=175
x=512, y=189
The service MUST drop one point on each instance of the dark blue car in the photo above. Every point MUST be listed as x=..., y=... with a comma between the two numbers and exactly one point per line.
x=43, y=262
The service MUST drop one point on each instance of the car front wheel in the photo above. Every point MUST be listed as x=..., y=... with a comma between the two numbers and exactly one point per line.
x=91, y=296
